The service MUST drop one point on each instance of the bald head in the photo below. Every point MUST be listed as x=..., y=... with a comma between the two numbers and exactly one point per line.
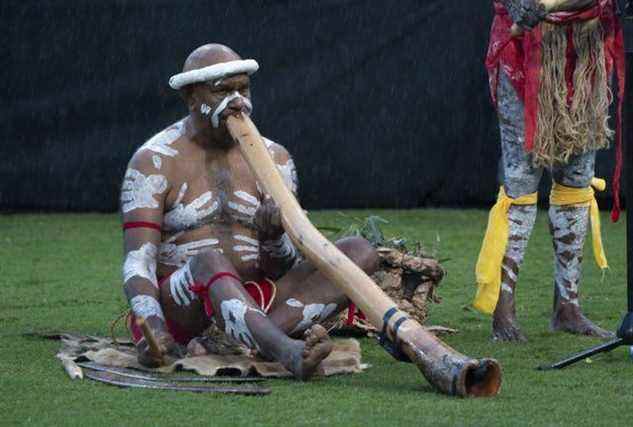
x=209, y=54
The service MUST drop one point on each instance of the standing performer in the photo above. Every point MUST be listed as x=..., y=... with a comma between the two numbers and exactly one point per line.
x=203, y=241
x=550, y=64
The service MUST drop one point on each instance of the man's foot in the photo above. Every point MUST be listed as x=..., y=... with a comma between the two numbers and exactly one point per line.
x=569, y=318
x=316, y=347
x=506, y=329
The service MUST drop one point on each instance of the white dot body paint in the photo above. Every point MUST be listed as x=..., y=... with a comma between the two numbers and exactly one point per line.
x=145, y=306
x=294, y=303
x=138, y=190
x=213, y=72
x=312, y=313
x=215, y=117
x=289, y=174
x=180, y=284
x=161, y=142
x=198, y=212
x=141, y=263
x=158, y=163
x=170, y=253
x=233, y=312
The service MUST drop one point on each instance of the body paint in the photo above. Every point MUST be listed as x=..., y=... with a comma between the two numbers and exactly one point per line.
x=205, y=110
x=180, y=283
x=213, y=72
x=170, y=253
x=138, y=190
x=141, y=263
x=312, y=313
x=233, y=312
x=215, y=117
x=158, y=163
x=161, y=142
x=289, y=174
x=244, y=212
x=145, y=306
x=183, y=217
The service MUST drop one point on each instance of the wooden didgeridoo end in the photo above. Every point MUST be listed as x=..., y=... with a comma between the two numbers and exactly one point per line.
x=445, y=368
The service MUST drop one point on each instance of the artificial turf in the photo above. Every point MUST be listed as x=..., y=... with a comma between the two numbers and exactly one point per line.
x=62, y=273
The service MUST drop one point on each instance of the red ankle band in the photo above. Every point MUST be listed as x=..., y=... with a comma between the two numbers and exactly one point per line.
x=203, y=290
x=141, y=224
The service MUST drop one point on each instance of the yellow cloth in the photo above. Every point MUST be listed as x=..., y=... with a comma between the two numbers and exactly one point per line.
x=493, y=249
x=562, y=195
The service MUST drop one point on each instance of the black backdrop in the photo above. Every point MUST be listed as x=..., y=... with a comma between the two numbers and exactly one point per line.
x=382, y=103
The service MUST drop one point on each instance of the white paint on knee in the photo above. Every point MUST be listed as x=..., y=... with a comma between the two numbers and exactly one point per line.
x=312, y=313
x=180, y=284
x=161, y=142
x=170, y=253
x=138, y=190
x=141, y=263
x=233, y=313
x=145, y=306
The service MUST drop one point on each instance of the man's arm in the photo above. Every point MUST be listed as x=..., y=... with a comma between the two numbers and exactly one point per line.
x=277, y=252
x=142, y=201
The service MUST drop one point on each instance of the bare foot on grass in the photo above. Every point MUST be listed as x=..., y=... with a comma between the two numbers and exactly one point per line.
x=569, y=318
x=316, y=347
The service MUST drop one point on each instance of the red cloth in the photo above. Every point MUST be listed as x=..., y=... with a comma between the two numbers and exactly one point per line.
x=520, y=59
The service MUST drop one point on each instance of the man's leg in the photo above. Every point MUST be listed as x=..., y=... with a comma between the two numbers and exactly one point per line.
x=241, y=318
x=520, y=178
x=305, y=297
x=568, y=226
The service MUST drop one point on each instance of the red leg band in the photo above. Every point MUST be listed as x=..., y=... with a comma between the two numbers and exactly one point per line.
x=141, y=224
x=203, y=290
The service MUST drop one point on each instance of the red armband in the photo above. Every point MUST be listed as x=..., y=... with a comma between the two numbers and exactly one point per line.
x=203, y=290
x=141, y=224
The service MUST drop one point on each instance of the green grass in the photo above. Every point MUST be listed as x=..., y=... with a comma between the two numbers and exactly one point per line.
x=62, y=272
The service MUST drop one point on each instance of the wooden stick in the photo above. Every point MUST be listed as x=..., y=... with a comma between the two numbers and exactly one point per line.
x=448, y=370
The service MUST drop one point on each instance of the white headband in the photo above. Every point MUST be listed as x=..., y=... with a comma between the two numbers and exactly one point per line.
x=213, y=72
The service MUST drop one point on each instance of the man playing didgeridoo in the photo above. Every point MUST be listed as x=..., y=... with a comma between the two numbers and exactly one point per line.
x=550, y=64
x=203, y=243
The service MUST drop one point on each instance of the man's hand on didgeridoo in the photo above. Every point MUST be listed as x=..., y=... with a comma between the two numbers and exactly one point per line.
x=167, y=350
x=268, y=220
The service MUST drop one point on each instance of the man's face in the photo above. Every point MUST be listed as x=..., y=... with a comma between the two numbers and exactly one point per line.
x=217, y=100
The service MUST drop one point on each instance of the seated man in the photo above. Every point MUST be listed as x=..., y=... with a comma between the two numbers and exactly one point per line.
x=203, y=241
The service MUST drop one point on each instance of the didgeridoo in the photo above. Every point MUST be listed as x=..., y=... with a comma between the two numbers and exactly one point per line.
x=445, y=368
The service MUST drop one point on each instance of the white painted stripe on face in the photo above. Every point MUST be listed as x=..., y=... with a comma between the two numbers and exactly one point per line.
x=215, y=118
x=246, y=239
x=138, y=190
x=141, y=263
x=146, y=306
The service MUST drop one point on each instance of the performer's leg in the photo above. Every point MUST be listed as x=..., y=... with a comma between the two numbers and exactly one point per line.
x=568, y=226
x=305, y=297
x=237, y=313
x=520, y=178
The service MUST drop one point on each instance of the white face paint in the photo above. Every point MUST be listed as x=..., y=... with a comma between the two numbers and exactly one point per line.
x=161, y=142
x=233, y=312
x=138, y=190
x=312, y=313
x=157, y=161
x=180, y=283
x=141, y=263
x=170, y=253
x=196, y=213
x=215, y=118
x=146, y=306
x=280, y=248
